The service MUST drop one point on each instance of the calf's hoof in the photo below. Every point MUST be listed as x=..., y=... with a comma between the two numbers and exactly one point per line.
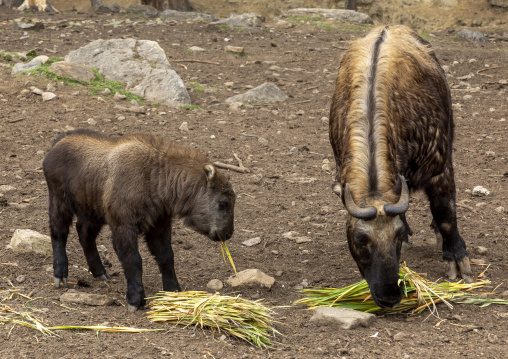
x=59, y=281
x=104, y=277
x=461, y=267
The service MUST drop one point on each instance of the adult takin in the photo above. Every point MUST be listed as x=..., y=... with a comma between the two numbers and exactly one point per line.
x=391, y=130
x=136, y=184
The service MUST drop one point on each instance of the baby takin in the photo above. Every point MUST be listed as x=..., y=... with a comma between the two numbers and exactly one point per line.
x=135, y=184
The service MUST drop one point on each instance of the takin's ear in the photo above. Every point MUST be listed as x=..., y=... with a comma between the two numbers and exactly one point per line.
x=210, y=171
x=337, y=189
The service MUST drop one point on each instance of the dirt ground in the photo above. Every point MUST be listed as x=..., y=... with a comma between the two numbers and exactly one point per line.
x=285, y=145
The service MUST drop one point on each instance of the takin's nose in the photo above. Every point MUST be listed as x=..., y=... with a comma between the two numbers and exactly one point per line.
x=387, y=296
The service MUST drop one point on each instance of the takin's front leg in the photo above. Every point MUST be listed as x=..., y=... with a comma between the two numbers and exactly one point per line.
x=88, y=232
x=441, y=195
x=125, y=243
x=158, y=240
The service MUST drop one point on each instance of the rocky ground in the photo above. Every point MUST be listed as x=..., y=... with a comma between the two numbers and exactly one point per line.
x=285, y=146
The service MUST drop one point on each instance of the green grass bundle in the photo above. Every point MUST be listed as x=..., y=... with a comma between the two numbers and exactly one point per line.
x=245, y=319
x=418, y=294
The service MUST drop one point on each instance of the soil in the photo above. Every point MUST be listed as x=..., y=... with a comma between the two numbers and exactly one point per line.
x=286, y=190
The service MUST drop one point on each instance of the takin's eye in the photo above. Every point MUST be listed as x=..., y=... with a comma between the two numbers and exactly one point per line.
x=223, y=205
x=361, y=238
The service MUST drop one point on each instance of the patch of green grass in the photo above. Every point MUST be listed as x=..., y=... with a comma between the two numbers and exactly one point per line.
x=43, y=71
x=501, y=50
x=153, y=64
x=197, y=87
x=224, y=27
x=100, y=83
x=191, y=107
x=424, y=35
x=325, y=26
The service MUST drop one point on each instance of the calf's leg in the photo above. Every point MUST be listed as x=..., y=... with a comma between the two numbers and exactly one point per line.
x=158, y=240
x=60, y=218
x=88, y=232
x=125, y=243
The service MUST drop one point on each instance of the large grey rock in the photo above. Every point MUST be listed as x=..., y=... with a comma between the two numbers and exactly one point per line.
x=147, y=10
x=335, y=14
x=251, y=278
x=34, y=63
x=186, y=15
x=140, y=64
x=242, y=21
x=471, y=36
x=28, y=241
x=344, y=317
x=73, y=70
x=73, y=296
x=266, y=92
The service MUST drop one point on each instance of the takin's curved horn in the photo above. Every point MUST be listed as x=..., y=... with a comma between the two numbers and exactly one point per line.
x=356, y=211
x=403, y=204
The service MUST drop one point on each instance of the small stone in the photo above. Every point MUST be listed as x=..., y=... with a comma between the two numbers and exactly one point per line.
x=120, y=118
x=263, y=141
x=6, y=188
x=215, y=285
x=48, y=96
x=36, y=91
x=106, y=92
x=300, y=240
x=467, y=97
x=344, y=317
x=400, y=336
x=196, y=49
x=73, y=296
x=235, y=49
x=235, y=106
x=91, y=122
x=480, y=191
x=490, y=154
x=250, y=278
x=20, y=278
x=50, y=87
x=119, y=96
x=278, y=273
x=229, y=84
x=499, y=209
x=252, y=242
x=28, y=241
x=184, y=127
x=481, y=250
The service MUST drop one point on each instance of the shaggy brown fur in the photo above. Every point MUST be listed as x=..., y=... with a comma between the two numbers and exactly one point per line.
x=135, y=184
x=391, y=114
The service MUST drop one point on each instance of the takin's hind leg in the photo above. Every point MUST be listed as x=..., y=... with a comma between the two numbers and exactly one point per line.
x=158, y=240
x=88, y=232
x=441, y=194
x=60, y=219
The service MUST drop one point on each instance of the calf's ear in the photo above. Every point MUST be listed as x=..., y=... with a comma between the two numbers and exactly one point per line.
x=210, y=171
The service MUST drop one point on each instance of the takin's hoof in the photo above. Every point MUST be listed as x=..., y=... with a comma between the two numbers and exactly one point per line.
x=104, y=277
x=132, y=308
x=59, y=281
x=461, y=267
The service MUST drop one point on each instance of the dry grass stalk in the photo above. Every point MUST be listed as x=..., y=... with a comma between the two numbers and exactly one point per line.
x=247, y=320
x=418, y=295
x=224, y=248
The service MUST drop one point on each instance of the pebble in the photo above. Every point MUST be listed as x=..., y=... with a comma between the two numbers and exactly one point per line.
x=235, y=49
x=467, y=97
x=20, y=278
x=490, y=154
x=196, y=49
x=36, y=91
x=400, y=336
x=91, y=122
x=120, y=118
x=480, y=191
x=215, y=284
x=50, y=87
x=252, y=241
x=6, y=188
x=106, y=92
x=119, y=96
x=184, y=127
x=481, y=250
x=263, y=141
x=344, y=317
x=48, y=96
x=499, y=209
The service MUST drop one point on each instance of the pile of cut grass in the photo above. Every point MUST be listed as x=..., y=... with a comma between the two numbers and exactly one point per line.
x=244, y=319
x=418, y=294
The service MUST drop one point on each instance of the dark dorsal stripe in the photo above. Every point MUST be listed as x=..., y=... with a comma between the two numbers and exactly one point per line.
x=371, y=111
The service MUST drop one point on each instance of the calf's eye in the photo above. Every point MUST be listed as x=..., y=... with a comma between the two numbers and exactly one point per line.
x=223, y=205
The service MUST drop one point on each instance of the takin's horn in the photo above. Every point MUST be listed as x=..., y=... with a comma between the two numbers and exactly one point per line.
x=356, y=211
x=403, y=204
